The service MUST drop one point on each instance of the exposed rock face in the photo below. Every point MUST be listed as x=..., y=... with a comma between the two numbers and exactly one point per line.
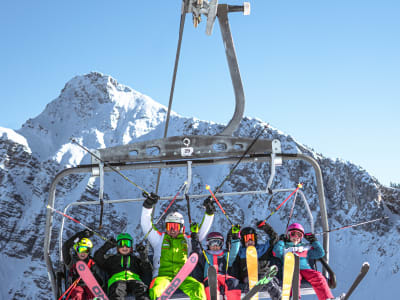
x=99, y=112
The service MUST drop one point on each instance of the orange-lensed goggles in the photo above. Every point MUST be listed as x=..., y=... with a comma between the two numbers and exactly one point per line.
x=82, y=249
x=249, y=237
x=173, y=226
x=295, y=233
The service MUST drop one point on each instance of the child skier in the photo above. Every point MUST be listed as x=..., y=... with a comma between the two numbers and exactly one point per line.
x=216, y=256
x=248, y=237
x=125, y=270
x=291, y=242
x=82, y=247
x=172, y=247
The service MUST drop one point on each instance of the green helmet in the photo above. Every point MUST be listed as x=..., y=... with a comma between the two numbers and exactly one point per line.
x=124, y=236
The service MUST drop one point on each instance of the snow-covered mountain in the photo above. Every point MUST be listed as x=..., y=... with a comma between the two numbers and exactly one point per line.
x=99, y=112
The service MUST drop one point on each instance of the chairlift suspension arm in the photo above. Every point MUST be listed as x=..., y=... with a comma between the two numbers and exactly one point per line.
x=171, y=94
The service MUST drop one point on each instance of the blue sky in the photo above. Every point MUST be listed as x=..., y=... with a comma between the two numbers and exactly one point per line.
x=325, y=72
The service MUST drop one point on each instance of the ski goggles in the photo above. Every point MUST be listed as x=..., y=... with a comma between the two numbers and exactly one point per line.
x=249, y=237
x=295, y=233
x=82, y=249
x=215, y=242
x=124, y=243
x=173, y=226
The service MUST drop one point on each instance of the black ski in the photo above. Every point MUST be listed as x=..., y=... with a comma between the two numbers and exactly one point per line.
x=261, y=283
x=359, y=278
x=212, y=282
x=295, y=281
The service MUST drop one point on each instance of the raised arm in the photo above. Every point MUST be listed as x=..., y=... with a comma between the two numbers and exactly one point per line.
x=207, y=219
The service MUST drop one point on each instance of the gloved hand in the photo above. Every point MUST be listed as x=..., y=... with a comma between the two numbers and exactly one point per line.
x=235, y=231
x=142, y=250
x=310, y=237
x=209, y=205
x=151, y=199
x=284, y=238
x=194, y=228
x=84, y=234
x=111, y=243
x=264, y=226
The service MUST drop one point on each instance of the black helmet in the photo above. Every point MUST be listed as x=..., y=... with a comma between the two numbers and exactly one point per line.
x=245, y=231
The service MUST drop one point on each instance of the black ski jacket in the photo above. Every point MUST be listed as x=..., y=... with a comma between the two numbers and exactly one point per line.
x=122, y=264
x=265, y=258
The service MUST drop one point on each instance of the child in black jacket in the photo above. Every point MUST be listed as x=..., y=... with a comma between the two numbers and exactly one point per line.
x=126, y=271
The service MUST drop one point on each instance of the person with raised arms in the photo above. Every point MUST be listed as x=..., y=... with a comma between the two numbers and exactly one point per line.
x=172, y=248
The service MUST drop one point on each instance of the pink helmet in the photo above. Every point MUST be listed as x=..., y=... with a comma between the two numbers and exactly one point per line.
x=295, y=226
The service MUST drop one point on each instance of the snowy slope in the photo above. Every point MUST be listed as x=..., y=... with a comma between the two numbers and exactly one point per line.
x=99, y=112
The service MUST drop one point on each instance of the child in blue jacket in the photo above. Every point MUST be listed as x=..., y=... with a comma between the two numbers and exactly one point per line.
x=313, y=250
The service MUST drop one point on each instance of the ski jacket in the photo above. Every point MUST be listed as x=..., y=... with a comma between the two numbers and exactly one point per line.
x=264, y=255
x=122, y=267
x=170, y=254
x=304, y=251
x=218, y=260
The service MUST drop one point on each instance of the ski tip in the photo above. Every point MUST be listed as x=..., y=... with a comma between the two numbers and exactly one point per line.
x=207, y=187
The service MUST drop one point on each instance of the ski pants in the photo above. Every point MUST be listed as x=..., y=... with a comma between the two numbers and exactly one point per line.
x=229, y=287
x=81, y=293
x=190, y=286
x=120, y=289
x=318, y=282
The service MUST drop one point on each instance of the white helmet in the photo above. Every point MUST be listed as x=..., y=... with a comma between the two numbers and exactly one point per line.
x=174, y=217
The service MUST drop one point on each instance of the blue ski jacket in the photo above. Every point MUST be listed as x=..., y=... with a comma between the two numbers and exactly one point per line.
x=304, y=251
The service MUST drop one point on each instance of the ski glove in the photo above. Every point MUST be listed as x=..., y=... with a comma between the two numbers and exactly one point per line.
x=111, y=243
x=142, y=250
x=264, y=226
x=235, y=231
x=194, y=227
x=209, y=205
x=310, y=237
x=84, y=234
x=284, y=238
x=151, y=199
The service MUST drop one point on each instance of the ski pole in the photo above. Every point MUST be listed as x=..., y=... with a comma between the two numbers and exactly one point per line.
x=110, y=166
x=165, y=211
x=300, y=185
x=219, y=204
x=351, y=225
x=76, y=221
x=291, y=210
x=240, y=159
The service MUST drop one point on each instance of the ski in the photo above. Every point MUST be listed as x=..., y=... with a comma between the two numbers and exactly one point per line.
x=252, y=268
x=364, y=270
x=212, y=282
x=296, y=281
x=180, y=277
x=90, y=280
x=261, y=283
x=288, y=269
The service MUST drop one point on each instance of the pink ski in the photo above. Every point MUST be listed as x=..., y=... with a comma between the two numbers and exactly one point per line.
x=180, y=277
x=90, y=281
